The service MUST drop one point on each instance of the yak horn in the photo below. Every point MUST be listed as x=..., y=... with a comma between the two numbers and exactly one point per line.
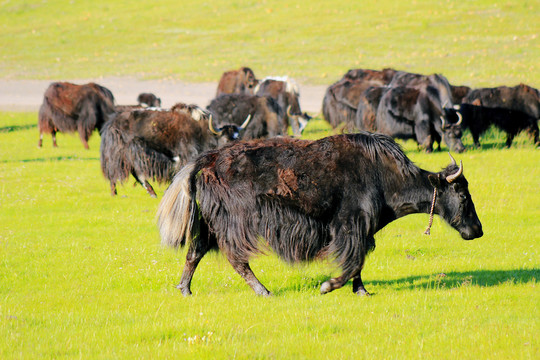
x=211, y=127
x=460, y=117
x=451, y=178
x=246, y=122
x=289, y=110
x=452, y=158
x=442, y=122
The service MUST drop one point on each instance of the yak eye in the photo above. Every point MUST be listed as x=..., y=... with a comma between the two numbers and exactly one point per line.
x=463, y=197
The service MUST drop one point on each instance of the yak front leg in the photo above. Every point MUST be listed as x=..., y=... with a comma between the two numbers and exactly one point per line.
x=247, y=274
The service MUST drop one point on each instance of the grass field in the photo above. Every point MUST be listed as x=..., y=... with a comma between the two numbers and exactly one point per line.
x=83, y=274
x=472, y=42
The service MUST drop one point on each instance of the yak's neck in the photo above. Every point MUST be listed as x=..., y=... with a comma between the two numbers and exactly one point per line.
x=415, y=195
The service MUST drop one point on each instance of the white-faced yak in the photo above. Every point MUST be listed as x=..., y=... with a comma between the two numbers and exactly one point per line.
x=305, y=200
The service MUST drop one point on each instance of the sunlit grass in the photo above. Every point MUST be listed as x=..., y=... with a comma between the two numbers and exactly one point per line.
x=478, y=43
x=83, y=275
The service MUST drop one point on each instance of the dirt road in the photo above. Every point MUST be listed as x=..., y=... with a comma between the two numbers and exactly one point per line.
x=27, y=95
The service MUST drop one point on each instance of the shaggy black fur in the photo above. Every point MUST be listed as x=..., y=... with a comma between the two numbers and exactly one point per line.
x=478, y=119
x=154, y=144
x=234, y=109
x=341, y=98
x=415, y=113
x=304, y=200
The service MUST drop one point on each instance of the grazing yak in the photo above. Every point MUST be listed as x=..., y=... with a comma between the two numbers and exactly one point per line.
x=415, y=113
x=458, y=93
x=367, y=108
x=236, y=108
x=72, y=108
x=478, y=119
x=241, y=81
x=305, y=200
x=286, y=93
x=341, y=99
x=512, y=109
x=154, y=144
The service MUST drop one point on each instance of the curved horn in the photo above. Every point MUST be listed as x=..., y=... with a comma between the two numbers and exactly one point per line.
x=289, y=111
x=452, y=158
x=460, y=117
x=211, y=127
x=451, y=178
x=246, y=122
x=443, y=122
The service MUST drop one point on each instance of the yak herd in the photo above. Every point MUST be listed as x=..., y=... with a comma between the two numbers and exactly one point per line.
x=236, y=177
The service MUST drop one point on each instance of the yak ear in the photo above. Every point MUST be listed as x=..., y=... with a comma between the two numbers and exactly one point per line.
x=435, y=180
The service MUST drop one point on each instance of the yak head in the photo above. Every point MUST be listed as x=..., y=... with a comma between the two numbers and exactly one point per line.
x=228, y=132
x=452, y=132
x=454, y=202
x=248, y=79
x=297, y=120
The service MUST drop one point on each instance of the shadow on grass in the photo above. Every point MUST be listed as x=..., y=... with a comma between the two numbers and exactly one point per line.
x=483, y=278
x=12, y=128
x=53, y=158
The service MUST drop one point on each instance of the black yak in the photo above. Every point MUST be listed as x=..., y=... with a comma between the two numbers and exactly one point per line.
x=478, y=119
x=236, y=108
x=416, y=113
x=341, y=99
x=512, y=109
x=72, y=108
x=154, y=144
x=305, y=200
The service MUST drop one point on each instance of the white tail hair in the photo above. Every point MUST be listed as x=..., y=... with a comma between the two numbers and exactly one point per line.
x=176, y=212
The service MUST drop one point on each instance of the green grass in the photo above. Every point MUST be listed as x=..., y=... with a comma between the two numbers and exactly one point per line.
x=83, y=274
x=478, y=43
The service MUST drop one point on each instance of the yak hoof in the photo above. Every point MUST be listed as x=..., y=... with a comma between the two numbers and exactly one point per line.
x=326, y=287
x=362, y=292
x=185, y=291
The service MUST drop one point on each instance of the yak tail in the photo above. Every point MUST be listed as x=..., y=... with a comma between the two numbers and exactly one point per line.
x=177, y=211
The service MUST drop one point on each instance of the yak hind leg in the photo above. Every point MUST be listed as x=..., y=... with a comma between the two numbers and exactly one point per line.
x=113, y=188
x=247, y=274
x=54, y=139
x=84, y=139
x=335, y=283
x=509, y=139
x=193, y=257
x=145, y=184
